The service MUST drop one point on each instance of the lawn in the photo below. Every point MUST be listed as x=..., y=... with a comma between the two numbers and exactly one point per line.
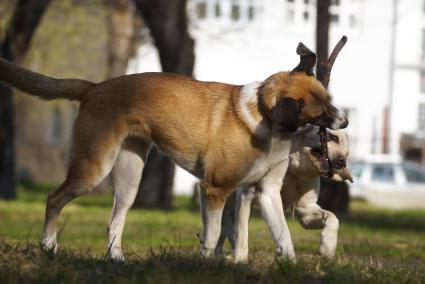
x=375, y=246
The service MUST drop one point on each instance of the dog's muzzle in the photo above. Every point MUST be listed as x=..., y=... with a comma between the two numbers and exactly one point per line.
x=339, y=122
x=336, y=122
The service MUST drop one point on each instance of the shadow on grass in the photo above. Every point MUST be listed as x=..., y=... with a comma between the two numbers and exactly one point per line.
x=28, y=264
x=24, y=263
x=403, y=220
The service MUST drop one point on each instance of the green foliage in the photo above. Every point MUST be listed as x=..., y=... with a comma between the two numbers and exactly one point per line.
x=161, y=247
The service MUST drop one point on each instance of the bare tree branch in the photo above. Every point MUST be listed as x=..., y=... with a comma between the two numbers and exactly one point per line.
x=331, y=60
x=327, y=68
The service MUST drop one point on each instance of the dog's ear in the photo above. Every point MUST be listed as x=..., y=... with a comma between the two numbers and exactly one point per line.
x=286, y=113
x=307, y=60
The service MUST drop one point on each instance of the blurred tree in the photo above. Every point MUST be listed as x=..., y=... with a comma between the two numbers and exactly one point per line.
x=167, y=22
x=322, y=35
x=13, y=47
x=333, y=195
x=123, y=41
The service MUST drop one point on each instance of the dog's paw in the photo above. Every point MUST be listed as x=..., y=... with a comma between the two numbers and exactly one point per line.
x=287, y=255
x=49, y=246
x=207, y=252
x=326, y=252
x=240, y=255
x=116, y=254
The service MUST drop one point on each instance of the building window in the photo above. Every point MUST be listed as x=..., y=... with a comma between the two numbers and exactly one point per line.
x=421, y=117
x=423, y=46
x=291, y=1
x=306, y=2
x=335, y=2
x=334, y=18
x=422, y=74
x=353, y=21
x=236, y=12
x=305, y=15
x=251, y=12
x=201, y=10
x=290, y=16
x=217, y=10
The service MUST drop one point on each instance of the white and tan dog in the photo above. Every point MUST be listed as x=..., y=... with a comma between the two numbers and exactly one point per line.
x=226, y=135
x=300, y=191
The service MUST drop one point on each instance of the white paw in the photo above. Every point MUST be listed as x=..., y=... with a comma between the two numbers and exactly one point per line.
x=241, y=255
x=286, y=254
x=207, y=252
x=327, y=252
x=116, y=254
x=49, y=245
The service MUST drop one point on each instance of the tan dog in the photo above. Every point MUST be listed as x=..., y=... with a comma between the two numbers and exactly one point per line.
x=300, y=191
x=226, y=135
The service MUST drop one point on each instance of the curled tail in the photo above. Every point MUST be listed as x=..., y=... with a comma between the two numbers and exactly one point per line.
x=42, y=86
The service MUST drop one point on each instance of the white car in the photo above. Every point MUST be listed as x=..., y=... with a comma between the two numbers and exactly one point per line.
x=388, y=181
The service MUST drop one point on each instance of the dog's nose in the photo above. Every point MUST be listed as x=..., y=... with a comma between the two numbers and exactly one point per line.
x=339, y=123
x=344, y=124
x=340, y=162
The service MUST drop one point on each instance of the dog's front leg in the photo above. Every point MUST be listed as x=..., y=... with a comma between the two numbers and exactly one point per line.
x=311, y=216
x=227, y=226
x=271, y=207
x=244, y=197
x=212, y=204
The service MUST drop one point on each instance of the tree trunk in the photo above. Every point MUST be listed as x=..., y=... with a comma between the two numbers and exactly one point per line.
x=333, y=196
x=322, y=35
x=167, y=22
x=122, y=36
x=25, y=20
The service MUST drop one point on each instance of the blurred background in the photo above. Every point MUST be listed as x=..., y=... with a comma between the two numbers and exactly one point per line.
x=378, y=79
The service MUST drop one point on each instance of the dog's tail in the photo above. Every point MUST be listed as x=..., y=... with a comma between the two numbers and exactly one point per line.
x=42, y=86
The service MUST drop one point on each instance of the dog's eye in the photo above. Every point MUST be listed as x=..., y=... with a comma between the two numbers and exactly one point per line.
x=333, y=138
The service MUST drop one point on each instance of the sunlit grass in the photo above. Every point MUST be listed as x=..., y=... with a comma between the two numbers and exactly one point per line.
x=375, y=245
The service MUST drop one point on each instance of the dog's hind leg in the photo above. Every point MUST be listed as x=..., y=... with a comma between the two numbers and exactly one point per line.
x=212, y=204
x=126, y=174
x=227, y=226
x=94, y=154
x=311, y=216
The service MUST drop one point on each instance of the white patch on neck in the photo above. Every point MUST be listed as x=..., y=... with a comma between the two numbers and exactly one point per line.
x=249, y=96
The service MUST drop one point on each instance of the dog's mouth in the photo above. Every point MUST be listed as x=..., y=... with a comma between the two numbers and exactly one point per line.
x=330, y=168
x=316, y=152
x=324, y=164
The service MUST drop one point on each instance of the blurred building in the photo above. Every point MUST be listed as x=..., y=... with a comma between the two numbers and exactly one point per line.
x=239, y=41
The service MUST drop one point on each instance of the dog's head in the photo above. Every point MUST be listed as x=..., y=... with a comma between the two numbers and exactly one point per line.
x=293, y=99
x=338, y=151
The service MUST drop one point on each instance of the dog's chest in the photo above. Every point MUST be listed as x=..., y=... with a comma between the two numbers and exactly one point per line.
x=277, y=152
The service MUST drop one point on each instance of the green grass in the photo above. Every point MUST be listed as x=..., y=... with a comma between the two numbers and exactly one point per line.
x=375, y=246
